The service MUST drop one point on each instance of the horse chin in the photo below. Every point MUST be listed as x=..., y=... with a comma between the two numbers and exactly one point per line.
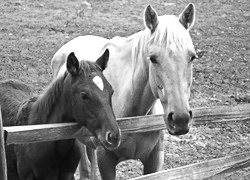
x=107, y=146
x=177, y=133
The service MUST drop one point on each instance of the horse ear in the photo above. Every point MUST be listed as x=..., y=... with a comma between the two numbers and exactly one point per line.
x=151, y=18
x=72, y=64
x=187, y=17
x=103, y=60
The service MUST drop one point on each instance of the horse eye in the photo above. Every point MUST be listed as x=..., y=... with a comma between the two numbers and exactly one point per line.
x=193, y=58
x=153, y=60
x=84, y=96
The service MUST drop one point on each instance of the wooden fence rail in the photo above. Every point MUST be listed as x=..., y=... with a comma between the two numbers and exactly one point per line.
x=216, y=169
x=49, y=132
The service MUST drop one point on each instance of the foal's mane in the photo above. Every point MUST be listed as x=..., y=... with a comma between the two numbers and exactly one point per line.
x=47, y=101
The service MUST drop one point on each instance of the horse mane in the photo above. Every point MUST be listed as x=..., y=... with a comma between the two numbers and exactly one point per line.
x=46, y=102
x=139, y=45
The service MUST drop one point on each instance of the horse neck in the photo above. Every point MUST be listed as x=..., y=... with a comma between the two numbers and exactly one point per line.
x=134, y=97
x=50, y=107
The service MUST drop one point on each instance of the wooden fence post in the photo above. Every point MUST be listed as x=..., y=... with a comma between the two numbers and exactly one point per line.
x=3, y=164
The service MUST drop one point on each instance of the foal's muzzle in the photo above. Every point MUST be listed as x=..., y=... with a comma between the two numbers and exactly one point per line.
x=111, y=140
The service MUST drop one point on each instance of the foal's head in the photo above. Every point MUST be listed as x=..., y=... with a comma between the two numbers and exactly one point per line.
x=171, y=52
x=91, y=99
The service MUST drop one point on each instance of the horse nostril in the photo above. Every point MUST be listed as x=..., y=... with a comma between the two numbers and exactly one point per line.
x=170, y=116
x=171, y=120
x=191, y=114
x=111, y=138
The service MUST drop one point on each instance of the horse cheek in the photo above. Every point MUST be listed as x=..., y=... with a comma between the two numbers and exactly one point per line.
x=152, y=82
x=78, y=113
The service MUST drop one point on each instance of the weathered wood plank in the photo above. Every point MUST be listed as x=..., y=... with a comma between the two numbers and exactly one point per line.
x=43, y=132
x=217, y=114
x=49, y=132
x=3, y=165
x=240, y=170
x=210, y=170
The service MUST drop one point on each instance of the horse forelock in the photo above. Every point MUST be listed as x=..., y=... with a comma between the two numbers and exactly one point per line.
x=88, y=67
x=170, y=32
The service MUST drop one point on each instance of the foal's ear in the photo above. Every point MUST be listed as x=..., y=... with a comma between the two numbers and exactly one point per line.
x=151, y=18
x=72, y=64
x=103, y=60
x=187, y=17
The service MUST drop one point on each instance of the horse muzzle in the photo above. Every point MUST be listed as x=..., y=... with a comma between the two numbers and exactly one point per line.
x=111, y=140
x=178, y=123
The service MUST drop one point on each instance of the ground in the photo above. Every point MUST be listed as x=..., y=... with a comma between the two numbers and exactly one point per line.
x=32, y=31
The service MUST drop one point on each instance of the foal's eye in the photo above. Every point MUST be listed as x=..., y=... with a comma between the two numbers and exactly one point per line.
x=84, y=96
x=153, y=60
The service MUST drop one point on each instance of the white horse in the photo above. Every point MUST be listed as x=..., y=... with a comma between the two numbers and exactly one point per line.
x=154, y=63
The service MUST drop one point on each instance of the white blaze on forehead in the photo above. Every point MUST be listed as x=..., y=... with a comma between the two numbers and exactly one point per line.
x=98, y=81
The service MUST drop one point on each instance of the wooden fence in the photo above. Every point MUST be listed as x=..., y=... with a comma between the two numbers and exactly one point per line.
x=209, y=169
x=3, y=167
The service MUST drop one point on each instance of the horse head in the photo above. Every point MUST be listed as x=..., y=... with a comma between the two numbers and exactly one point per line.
x=170, y=55
x=91, y=99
